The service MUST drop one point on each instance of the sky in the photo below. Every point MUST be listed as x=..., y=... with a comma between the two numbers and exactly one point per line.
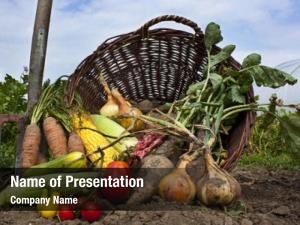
x=268, y=27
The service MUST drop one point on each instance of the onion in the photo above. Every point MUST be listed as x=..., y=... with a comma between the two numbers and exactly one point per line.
x=178, y=185
x=126, y=109
x=216, y=187
x=110, y=108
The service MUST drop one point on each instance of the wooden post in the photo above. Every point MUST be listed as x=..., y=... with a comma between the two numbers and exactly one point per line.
x=38, y=51
x=36, y=67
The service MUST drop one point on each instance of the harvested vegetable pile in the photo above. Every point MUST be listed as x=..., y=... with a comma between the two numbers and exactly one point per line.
x=183, y=138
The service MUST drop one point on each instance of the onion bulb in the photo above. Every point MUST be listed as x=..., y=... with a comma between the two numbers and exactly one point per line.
x=110, y=108
x=126, y=109
x=178, y=185
x=217, y=187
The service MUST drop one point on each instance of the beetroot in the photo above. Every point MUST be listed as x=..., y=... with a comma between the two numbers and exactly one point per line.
x=147, y=144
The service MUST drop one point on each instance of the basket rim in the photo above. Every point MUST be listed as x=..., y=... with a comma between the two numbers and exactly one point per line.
x=118, y=41
x=111, y=42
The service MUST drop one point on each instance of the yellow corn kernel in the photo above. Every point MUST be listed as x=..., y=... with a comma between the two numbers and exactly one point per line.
x=93, y=141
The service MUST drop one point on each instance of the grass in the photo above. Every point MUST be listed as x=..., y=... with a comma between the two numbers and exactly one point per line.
x=267, y=160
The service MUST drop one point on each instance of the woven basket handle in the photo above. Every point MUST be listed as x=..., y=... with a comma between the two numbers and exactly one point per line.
x=178, y=19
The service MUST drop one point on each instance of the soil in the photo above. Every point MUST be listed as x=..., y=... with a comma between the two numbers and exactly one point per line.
x=269, y=197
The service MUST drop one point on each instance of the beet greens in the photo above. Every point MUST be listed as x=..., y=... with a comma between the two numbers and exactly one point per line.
x=213, y=104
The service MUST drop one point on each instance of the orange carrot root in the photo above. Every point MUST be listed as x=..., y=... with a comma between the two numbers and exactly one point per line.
x=74, y=143
x=55, y=136
x=31, y=145
x=41, y=159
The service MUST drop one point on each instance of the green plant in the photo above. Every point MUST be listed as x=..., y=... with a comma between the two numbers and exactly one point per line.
x=273, y=136
x=266, y=140
x=269, y=147
x=12, y=101
x=13, y=94
x=7, y=154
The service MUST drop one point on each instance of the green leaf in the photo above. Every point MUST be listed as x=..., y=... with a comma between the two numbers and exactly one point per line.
x=269, y=77
x=193, y=88
x=251, y=60
x=290, y=127
x=216, y=80
x=235, y=94
x=218, y=119
x=245, y=83
x=212, y=35
x=222, y=55
x=245, y=80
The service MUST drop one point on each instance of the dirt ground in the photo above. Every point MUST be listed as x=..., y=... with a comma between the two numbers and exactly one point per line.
x=269, y=197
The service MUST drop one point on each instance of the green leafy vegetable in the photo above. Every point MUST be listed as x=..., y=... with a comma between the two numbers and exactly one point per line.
x=218, y=119
x=206, y=107
x=251, y=60
x=222, y=55
x=268, y=77
x=216, y=80
x=236, y=95
x=212, y=35
x=212, y=106
x=194, y=87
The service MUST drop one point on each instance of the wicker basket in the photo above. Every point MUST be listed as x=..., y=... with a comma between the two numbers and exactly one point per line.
x=156, y=64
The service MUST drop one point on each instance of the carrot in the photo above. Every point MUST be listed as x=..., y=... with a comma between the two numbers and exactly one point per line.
x=32, y=137
x=42, y=159
x=30, y=146
x=74, y=143
x=55, y=136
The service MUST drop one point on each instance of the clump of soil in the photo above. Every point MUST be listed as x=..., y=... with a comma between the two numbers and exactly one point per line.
x=269, y=197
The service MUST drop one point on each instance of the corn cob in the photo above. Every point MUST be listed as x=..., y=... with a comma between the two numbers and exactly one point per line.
x=93, y=141
x=112, y=128
x=73, y=160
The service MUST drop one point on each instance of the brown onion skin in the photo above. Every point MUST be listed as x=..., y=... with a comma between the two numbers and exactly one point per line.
x=217, y=187
x=110, y=108
x=178, y=185
x=126, y=109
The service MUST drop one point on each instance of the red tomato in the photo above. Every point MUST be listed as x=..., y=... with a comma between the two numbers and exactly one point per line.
x=90, y=211
x=116, y=169
x=66, y=213
x=119, y=165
